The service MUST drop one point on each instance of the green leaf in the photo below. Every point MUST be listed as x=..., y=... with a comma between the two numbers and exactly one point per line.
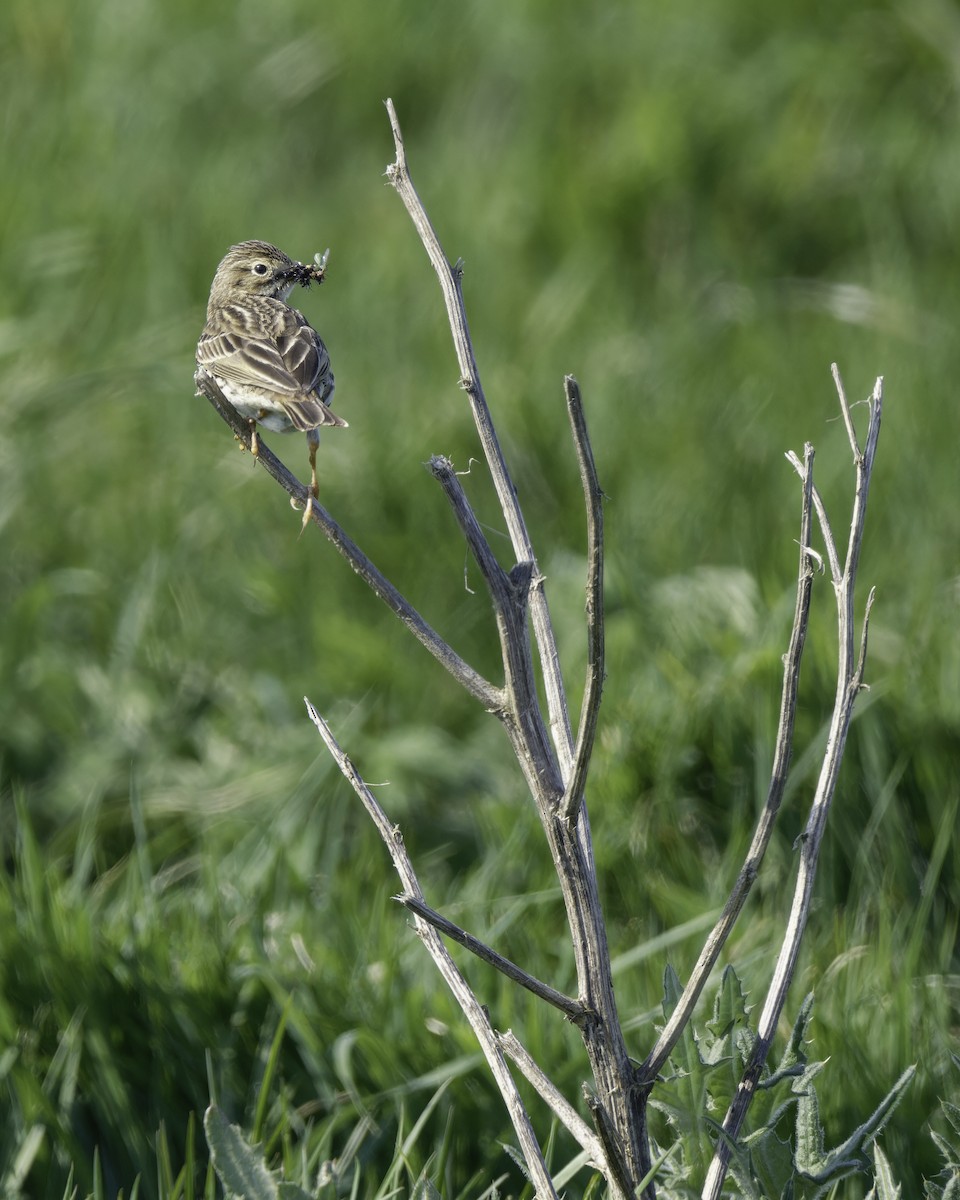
x=672, y=991
x=424, y=1189
x=518, y=1159
x=98, y=1189
x=952, y=1113
x=794, y=1056
x=729, y=1005
x=771, y=1158
x=822, y=1167
x=864, y=1135
x=241, y=1169
x=269, y=1070
x=946, y=1148
x=885, y=1187
x=69, y=1191
x=290, y=1191
x=809, y=1156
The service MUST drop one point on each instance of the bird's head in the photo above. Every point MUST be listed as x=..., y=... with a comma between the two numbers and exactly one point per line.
x=257, y=269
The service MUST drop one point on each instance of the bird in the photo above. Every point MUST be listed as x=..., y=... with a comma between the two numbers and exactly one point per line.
x=264, y=355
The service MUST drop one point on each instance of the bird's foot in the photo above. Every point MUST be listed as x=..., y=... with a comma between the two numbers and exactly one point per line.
x=307, y=512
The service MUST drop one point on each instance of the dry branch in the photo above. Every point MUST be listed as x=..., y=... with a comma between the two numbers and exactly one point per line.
x=593, y=691
x=683, y=1011
x=850, y=668
x=451, y=280
x=572, y=1009
x=563, y=1109
x=472, y=1009
x=555, y=767
x=547, y=761
x=489, y=696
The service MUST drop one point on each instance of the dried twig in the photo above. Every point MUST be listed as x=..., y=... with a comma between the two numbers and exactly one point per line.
x=562, y=1108
x=672, y=1031
x=850, y=668
x=473, y=1010
x=547, y=761
x=619, y=1115
x=451, y=278
x=489, y=696
x=590, y=708
x=510, y=594
x=572, y=1009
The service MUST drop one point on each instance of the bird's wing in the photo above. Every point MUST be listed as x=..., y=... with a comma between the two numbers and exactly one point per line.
x=305, y=357
x=274, y=348
x=246, y=362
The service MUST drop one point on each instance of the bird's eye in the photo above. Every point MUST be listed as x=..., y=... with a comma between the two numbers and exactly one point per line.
x=260, y=268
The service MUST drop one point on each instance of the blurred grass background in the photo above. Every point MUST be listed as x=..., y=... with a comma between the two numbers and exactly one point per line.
x=694, y=208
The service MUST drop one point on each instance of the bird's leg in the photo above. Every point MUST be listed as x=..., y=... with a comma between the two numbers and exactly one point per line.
x=313, y=441
x=254, y=440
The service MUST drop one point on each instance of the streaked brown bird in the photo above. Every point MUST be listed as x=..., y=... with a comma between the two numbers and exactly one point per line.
x=267, y=359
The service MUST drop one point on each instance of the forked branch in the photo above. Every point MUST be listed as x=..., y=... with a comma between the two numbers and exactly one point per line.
x=555, y=766
x=850, y=668
x=572, y=1009
x=672, y=1031
x=558, y=1103
x=547, y=761
x=472, y=1009
x=451, y=279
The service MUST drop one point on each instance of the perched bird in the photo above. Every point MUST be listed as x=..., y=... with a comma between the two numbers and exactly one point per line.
x=267, y=359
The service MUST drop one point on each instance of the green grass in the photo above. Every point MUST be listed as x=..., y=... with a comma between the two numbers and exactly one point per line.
x=693, y=207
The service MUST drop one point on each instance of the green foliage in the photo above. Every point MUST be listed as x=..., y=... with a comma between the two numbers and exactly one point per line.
x=884, y=1186
x=782, y=1152
x=946, y=1185
x=241, y=1169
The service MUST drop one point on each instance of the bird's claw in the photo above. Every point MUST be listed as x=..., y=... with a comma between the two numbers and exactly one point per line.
x=307, y=512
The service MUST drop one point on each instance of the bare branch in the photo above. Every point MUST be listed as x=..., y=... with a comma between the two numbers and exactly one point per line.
x=618, y=1173
x=489, y=696
x=849, y=683
x=845, y=410
x=561, y=1107
x=510, y=595
x=496, y=578
x=862, y=656
x=593, y=690
x=572, y=1009
x=672, y=1031
x=547, y=769
x=864, y=469
x=450, y=278
x=569, y=844
x=833, y=558
x=472, y=1009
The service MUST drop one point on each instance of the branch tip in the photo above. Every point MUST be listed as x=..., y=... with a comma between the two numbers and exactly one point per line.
x=569, y=804
x=850, y=669
x=449, y=280
x=845, y=411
